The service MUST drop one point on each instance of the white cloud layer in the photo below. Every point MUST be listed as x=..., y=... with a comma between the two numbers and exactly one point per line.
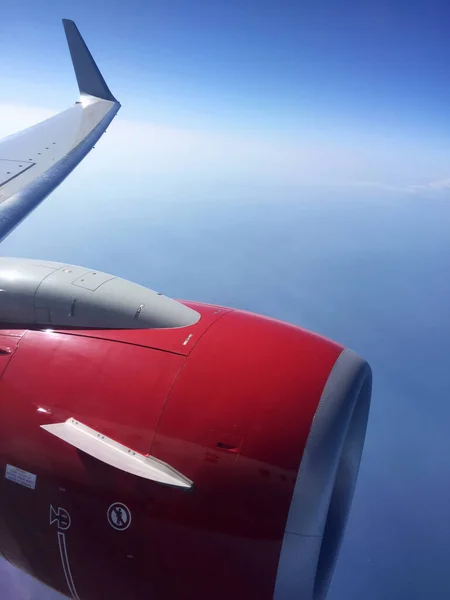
x=140, y=154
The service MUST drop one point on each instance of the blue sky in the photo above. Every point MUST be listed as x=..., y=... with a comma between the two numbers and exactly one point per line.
x=365, y=63
x=322, y=93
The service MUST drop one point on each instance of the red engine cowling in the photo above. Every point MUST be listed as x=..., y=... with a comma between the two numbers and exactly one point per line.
x=265, y=419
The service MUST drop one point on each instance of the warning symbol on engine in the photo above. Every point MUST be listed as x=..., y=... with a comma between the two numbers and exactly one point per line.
x=119, y=516
x=61, y=517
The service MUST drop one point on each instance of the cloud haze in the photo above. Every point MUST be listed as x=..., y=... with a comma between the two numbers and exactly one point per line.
x=148, y=154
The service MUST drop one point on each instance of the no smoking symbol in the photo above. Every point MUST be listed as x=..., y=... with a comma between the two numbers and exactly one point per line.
x=119, y=516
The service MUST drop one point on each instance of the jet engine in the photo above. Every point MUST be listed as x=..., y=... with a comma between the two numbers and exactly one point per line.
x=161, y=449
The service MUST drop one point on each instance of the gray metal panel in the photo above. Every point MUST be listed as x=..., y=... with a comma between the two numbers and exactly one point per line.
x=35, y=161
x=17, y=292
x=325, y=482
x=9, y=169
x=92, y=280
x=34, y=292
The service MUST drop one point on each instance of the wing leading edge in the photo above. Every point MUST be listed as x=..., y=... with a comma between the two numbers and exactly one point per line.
x=35, y=161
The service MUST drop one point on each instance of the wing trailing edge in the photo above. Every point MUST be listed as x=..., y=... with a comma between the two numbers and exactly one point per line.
x=35, y=161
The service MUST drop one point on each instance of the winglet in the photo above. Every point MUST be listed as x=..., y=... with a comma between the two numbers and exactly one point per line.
x=90, y=80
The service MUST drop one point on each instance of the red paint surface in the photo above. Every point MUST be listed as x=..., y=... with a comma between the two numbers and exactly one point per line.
x=179, y=340
x=231, y=411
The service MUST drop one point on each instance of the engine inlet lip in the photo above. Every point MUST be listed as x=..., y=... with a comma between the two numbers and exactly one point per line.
x=325, y=483
x=343, y=490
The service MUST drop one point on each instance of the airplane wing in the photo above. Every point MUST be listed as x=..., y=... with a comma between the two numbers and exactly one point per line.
x=35, y=161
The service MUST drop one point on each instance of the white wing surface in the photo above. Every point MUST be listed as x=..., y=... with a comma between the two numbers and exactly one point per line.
x=35, y=161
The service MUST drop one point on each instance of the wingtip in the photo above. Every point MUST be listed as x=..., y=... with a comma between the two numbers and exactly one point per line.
x=89, y=78
x=69, y=24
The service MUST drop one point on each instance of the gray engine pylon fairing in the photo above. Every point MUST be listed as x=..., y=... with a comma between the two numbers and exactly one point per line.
x=50, y=294
x=35, y=161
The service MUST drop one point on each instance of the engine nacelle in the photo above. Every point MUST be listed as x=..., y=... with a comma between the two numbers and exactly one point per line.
x=211, y=460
